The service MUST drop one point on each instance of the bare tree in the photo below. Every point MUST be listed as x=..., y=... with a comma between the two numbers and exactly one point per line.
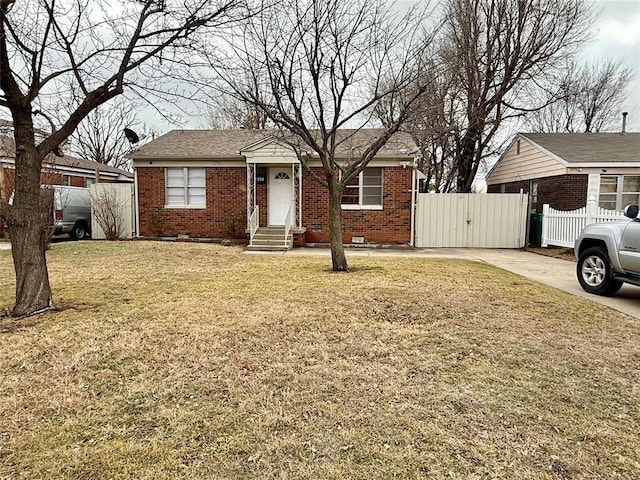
x=100, y=136
x=108, y=210
x=84, y=52
x=432, y=124
x=308, y=66
x=589, y=100
x=499, y=53
x=227, y=111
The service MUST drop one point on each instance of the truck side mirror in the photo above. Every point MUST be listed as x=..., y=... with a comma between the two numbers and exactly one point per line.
x=631, y=211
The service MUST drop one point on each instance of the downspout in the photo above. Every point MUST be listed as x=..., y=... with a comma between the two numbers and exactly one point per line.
x=2, y=192
x=136, y=203
x=249, y=186
x=413, y=204
x=300, y=196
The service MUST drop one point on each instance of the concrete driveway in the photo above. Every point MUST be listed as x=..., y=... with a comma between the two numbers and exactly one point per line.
x=558, y=273
x=551, y=271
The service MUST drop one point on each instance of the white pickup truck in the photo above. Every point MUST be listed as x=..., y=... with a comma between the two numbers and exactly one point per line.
x=609, y=254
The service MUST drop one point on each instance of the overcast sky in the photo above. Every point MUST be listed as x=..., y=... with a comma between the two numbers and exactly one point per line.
x=617, y=36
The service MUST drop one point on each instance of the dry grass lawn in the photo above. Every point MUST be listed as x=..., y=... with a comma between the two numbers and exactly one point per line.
x=177, y=360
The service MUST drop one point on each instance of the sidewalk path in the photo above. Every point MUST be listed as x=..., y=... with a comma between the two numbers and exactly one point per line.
x=5, y=245
x=551, y=271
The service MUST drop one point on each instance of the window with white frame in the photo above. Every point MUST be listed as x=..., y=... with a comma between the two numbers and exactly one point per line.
x=365, y=191
x=630, y=190
x=185, y=187
x=618, y=191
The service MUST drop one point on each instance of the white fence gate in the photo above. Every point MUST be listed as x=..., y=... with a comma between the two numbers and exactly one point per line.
x=473, y=220
x=116, y=200
x=562, y=227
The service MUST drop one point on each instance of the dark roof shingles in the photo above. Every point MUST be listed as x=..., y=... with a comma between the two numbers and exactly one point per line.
x=200, y=144
x=590, y=147
x=8, y=150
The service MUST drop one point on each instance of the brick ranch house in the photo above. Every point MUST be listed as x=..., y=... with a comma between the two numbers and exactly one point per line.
x=565, y=169
x=224, y=183
x=65, y=170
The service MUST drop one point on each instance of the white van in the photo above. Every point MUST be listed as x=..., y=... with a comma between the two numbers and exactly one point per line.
x=71, y=211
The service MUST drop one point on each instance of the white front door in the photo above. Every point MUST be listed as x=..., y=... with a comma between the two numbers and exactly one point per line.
x=280, y=195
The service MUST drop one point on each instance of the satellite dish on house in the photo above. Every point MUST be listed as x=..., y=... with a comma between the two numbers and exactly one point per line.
x=131, y=136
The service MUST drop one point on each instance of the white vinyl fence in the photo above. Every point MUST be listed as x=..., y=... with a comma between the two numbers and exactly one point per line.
x=562, y=227
x=115, y=200
x=473, y=220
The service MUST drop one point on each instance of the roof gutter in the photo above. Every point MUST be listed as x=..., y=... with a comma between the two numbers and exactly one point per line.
x=70, y=168
x=604, y=165
x=186, y=157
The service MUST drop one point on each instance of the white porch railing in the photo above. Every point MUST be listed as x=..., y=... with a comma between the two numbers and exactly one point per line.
x=288, y=223
x=561, y=228
x=254, y=222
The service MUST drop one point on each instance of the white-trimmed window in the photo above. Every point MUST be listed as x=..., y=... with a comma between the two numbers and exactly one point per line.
x=618, y=191
x=185, y=187
x=365, y=191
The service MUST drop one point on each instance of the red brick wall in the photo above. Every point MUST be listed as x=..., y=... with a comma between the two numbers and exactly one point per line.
x=391, y=225
x=78, y=182
x=226, y=197
x=563, y=192
x=7, y=186
x=5, y=192
x=261, y=199
x=223, y=217
x=48, y=178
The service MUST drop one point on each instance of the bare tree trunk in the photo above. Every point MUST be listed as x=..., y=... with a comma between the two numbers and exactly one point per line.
x=338, y=259
x=466, y=163
x=29, y=235
x=34, y=33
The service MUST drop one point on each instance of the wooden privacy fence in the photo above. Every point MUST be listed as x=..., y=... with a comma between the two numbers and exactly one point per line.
x=562, y=227
x=473, y=220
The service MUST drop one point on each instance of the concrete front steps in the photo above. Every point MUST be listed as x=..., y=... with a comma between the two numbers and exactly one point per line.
x=270, y=239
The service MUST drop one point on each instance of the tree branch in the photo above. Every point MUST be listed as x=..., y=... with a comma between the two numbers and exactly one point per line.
x=8, y=83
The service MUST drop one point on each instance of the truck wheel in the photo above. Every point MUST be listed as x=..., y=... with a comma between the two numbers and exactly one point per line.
x=79, y=231
x=594, y=272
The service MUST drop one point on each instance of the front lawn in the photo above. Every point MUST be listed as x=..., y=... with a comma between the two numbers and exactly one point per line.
x=179, y=360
